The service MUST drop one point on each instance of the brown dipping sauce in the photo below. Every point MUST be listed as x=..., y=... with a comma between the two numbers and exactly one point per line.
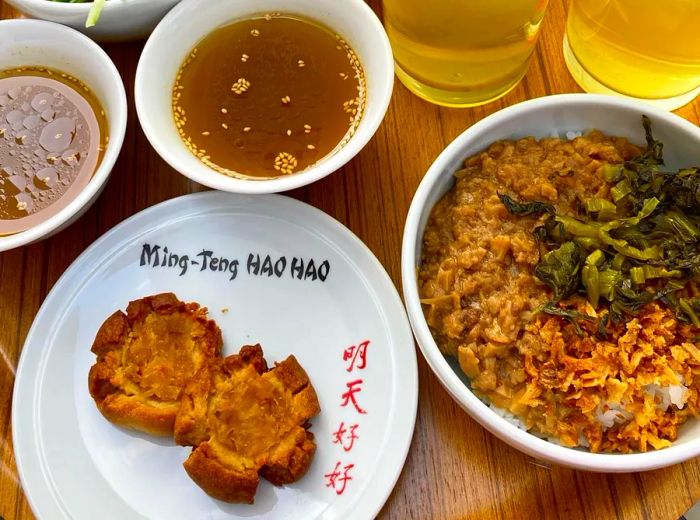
x=268, y=96
x=52, y=137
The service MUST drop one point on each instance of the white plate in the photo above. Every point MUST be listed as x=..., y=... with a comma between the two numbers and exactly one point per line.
x=75, y=464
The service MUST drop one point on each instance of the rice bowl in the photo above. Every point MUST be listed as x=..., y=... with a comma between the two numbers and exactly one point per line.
x=541, y=118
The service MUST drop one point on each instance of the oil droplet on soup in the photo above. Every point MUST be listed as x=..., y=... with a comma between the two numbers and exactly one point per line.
x=53, y=133
x=268, y=96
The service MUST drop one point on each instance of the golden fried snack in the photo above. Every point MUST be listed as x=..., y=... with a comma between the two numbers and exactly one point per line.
x=244, y=421
x=146, y=358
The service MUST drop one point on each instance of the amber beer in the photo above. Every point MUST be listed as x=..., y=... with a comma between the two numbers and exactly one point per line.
x=462, y=52
x=644, y=49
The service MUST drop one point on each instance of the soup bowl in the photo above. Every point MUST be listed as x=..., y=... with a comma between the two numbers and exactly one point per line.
x=192, y=20
x=46, y=44
x=543, y=117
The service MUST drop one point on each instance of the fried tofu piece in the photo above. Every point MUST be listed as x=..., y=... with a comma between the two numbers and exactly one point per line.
x=243, y=421
x=146, y=358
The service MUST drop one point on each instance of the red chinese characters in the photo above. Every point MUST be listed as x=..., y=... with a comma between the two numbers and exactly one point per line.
x=357, y=355
x=345, y=436
x=354, y=387
x=338, y=478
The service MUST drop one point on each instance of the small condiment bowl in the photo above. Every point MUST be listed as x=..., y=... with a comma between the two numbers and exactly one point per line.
x=190, y=21
x=544, y=117
x=120, y=20
x=47, y=44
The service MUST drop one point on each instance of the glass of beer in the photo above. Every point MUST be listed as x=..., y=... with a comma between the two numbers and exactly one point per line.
x=462, y=52
x=645, y=49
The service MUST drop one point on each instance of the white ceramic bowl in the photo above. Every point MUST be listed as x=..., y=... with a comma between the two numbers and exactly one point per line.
x=192, y=20
x=120, y=20
x=543, y=117
x=40, y=43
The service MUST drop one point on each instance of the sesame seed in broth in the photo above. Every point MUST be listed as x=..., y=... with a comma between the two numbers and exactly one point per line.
x=296, y=95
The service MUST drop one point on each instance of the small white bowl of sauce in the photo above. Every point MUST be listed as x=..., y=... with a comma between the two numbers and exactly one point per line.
x=263, y=96
x=62, y=123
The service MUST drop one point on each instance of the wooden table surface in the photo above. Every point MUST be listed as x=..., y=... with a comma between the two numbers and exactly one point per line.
x=455, y=469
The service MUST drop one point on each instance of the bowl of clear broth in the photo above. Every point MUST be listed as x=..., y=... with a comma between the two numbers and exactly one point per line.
x=62, y=123
x=263, y=96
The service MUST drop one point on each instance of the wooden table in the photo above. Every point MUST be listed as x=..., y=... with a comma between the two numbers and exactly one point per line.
x=455, y=469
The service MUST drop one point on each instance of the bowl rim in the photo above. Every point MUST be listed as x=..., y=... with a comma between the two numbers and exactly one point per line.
x=206, y=176
x=511, y=434
x=54, y=7
x=114, y=146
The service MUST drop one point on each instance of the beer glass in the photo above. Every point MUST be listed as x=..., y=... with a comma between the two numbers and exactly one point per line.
x=462, y=52
x=645, y=49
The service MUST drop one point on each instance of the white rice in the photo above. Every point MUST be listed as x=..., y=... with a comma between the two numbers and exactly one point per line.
x=570, y=135
x=668, y=395
x=615, y=413
x=512, y=419
x=582, y=441
x=678, y=395
x=610, y=413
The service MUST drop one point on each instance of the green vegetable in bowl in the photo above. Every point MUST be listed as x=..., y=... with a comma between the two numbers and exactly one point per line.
x=641, y=246
x=95, y=10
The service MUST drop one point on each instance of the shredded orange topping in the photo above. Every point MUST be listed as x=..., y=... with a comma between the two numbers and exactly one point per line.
x=629, y=391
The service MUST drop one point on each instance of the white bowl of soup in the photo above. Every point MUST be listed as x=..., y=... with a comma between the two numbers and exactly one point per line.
x=63, y=109
x=462, y=240
x=119, y=20
x=263, y=96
